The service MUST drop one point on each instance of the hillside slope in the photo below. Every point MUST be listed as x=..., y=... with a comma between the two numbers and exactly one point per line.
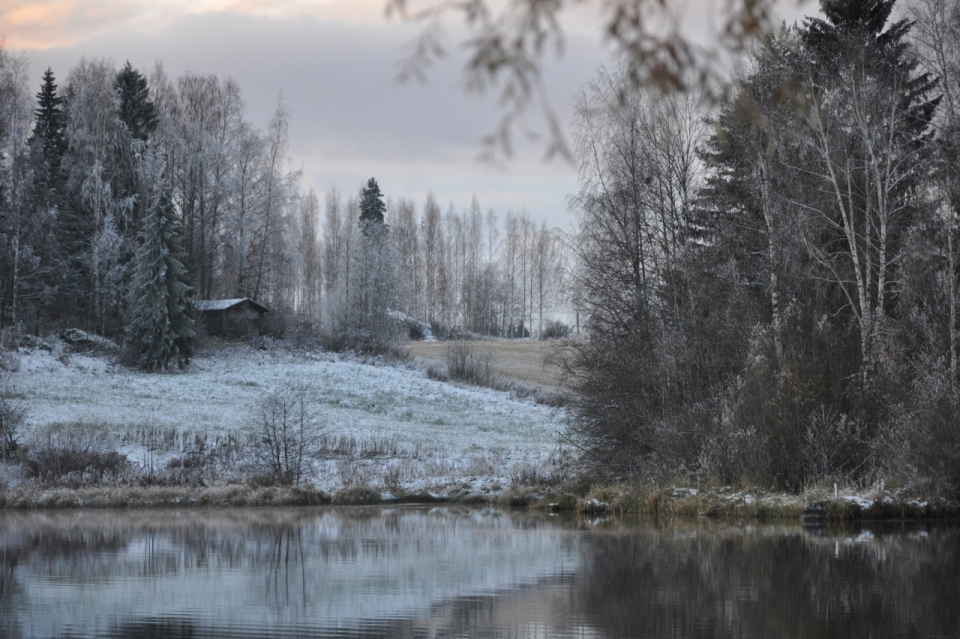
x=420, y=433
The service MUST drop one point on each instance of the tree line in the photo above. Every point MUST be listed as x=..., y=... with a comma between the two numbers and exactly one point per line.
x=86, y=164
x=771, y=283
x=462, y=272
x=112, y=167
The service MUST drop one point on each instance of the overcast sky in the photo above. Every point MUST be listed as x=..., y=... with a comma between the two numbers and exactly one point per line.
x=336, y=63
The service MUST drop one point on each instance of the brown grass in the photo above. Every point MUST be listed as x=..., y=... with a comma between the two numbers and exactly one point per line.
x=518, y=361
x=229, y=495
x=158, y=497
x=583, y=499
x=653, y=504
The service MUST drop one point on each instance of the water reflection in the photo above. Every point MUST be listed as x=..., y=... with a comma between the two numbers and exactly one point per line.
x=455, y=572
x=768, y=582
x=348, y=572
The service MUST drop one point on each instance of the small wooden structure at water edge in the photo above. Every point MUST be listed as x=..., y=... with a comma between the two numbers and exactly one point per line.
x=239, y=317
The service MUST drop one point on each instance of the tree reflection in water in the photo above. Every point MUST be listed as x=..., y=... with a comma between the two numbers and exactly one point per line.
x=456, y=572
x=769, y=582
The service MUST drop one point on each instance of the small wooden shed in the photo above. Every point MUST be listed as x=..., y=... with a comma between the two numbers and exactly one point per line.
x=240, y=317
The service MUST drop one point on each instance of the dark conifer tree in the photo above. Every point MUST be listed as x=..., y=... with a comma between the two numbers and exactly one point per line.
x=854, y=34
x=743, y=214
x=49, y=131
x=48, y=144
x=372, y=207
x=136, y=109
x=162, y=327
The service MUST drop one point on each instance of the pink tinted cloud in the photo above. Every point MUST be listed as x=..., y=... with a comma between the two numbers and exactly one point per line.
x=46, y=24
x=50, y=23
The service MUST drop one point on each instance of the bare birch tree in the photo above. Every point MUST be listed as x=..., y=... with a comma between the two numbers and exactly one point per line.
x=311, y=265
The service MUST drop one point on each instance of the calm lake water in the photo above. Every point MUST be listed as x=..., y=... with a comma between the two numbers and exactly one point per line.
x=459, y=572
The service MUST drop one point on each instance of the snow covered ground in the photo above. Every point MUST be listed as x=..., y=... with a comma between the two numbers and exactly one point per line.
x=441, y=437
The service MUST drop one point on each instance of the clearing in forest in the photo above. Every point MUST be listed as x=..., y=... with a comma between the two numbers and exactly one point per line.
x=520, y=361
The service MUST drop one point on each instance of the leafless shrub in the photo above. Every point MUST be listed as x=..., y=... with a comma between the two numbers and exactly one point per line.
x=550, y=398
x=12, y=414
x=382, y=338
x=73, y=455
x=553, y=471
x=797, y=417
x=832, y=441
x=734, y=453
x=288, y=433
x=467, y=363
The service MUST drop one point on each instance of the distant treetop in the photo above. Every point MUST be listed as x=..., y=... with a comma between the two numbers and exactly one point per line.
x=136, y=109
x=372, y=207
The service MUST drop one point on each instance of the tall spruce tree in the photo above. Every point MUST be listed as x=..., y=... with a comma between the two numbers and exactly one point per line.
x=744, y=214
x=49, y=130
x=162, y=327
x=139, y=114
x=372, y=207
x=48, y=144
x=136, y=109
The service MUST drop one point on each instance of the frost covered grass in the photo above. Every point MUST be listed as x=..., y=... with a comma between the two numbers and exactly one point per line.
x=383, y=426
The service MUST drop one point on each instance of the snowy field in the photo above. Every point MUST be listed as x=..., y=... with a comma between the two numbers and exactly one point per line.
x=429, y=435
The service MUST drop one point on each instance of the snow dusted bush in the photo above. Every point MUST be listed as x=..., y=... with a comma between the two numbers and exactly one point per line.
x=921, y=444
x=12, y=414
x=798, y=415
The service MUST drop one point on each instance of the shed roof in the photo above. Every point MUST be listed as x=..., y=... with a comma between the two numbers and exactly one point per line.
x=223, y=305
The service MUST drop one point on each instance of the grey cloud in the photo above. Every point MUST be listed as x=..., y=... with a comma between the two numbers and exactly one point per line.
x=350, y=117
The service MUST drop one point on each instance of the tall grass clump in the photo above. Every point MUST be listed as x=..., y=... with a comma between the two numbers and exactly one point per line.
x=73, y=455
